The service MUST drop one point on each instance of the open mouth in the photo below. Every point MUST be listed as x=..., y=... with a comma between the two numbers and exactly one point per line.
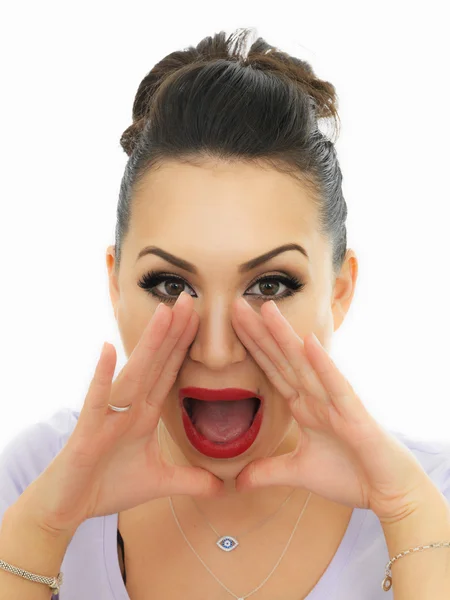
x=222, y=421
x=222, y=428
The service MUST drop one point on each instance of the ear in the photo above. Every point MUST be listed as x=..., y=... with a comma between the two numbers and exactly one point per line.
x=114, y=293
x=344, y=288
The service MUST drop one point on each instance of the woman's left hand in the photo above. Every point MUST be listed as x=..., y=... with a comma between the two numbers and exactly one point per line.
x=343, y=454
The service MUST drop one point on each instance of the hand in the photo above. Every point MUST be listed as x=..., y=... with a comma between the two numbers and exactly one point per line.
x=112, y=460
x=343, y=454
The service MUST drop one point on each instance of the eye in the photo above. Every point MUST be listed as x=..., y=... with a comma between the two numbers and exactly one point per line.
x=172, y=284
x=271, y=283
x=152, y=280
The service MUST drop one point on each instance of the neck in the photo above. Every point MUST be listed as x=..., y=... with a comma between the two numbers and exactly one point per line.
x=237, y=509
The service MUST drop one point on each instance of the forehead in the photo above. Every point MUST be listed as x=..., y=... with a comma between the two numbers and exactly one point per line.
x=237, y=207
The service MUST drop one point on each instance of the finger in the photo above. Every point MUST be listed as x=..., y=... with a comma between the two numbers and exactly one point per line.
x=181, y=314
x=292, y=364
x=150, y=354
x=263, y=360
x=162, y=387
x=293, y=349
x=338, y=388
x=92, y=414
x=130, y=379
x=192, y=481
x=255, y=326
x=262, y=472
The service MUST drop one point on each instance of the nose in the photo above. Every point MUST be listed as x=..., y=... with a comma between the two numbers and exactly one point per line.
x=216, y=343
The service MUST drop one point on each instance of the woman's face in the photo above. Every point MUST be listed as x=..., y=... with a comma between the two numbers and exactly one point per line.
x=217, y=217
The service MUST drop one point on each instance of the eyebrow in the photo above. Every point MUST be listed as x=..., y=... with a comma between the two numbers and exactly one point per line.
x=243, y=268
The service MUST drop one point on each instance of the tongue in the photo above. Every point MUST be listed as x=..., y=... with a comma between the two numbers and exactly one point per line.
x=223, y=421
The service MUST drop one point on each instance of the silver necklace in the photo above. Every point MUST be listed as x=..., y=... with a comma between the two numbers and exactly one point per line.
x=229, y=542
x=206, y=566
x=216, y=578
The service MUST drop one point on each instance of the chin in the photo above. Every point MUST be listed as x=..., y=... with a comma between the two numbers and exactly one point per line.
x=227, y=470
x=226, y=473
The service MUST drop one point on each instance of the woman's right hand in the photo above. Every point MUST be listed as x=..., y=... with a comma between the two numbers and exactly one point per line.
x=112, y=462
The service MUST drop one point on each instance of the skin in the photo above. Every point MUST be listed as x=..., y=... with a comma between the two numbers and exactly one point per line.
x=217, y=216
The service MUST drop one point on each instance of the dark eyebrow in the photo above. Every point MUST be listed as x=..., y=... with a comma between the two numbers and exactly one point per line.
x=243, y=268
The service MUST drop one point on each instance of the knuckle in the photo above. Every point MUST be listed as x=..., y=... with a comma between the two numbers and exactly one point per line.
x=292, y=345
x=261, y=337
x=176, y=328
x=157, y=368
x=174, y=335
x=259, y=355
x=305, y=375
x=133, y=378
x=151, y=346
x=286, y=369
x=272, y=373
x=100, y=380
x=294, y=400
x=169, y=376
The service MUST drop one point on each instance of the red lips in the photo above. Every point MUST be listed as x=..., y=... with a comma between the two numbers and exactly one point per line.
x=220, y=450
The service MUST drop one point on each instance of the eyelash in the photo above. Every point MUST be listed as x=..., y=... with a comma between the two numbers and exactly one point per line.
x=152, y=279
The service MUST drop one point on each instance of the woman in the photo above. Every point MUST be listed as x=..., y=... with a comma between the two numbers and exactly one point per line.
x=283, y=486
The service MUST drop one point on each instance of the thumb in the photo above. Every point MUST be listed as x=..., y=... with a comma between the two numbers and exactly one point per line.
x=193, y=481
x=263, y=472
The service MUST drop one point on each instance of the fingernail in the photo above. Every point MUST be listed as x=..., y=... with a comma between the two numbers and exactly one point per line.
x=178, y=299
x=272, y=303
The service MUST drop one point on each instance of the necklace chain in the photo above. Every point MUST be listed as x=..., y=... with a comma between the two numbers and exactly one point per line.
x=216, y=578
x=206, y=566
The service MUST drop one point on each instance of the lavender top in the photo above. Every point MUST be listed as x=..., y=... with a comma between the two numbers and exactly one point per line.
x=91, y=566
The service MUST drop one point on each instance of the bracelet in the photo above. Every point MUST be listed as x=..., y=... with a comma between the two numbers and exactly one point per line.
x=53, y=582
x=387, y=581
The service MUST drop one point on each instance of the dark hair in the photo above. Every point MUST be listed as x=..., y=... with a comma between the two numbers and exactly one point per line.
x=212, y=101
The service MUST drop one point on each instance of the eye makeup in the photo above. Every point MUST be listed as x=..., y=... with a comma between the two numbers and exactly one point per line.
x=151, y=280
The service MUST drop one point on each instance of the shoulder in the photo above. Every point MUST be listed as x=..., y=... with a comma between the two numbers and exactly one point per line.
x=27, y=455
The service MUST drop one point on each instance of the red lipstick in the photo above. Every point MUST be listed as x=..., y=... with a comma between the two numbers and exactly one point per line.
x=220, y=450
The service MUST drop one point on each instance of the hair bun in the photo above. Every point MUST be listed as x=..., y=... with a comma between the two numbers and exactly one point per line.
x=261, y=55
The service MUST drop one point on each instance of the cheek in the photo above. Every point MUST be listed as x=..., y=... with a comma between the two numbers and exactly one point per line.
x=322, y=327
x=130, y=330
x=278, y=412
x=133, y=314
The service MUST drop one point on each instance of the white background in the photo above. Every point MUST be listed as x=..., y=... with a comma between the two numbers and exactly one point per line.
x=69, y=74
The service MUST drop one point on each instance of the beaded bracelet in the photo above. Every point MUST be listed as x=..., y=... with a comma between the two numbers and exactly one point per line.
x=53, y=582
